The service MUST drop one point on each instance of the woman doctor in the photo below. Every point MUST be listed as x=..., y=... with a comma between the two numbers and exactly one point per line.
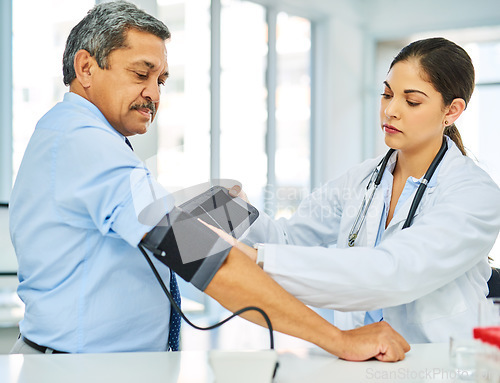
x=359, y=249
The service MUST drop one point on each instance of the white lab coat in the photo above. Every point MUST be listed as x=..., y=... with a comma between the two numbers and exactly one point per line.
x=428, y=278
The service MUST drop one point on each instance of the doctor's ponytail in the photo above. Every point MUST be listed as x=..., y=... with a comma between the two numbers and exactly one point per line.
x=452, y=132
x=448, y=68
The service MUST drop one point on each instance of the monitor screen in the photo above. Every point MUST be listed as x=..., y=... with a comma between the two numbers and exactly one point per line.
x=217, y=208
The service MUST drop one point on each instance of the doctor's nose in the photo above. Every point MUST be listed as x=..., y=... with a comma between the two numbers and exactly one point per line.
x=391, y=109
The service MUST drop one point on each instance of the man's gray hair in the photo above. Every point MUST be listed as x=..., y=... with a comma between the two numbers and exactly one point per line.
x=103, y=30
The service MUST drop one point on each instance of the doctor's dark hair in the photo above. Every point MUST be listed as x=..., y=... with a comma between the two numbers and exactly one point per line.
x=448, y=68
x=104, y=29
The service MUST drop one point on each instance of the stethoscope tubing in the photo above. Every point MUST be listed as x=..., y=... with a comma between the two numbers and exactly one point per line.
x=379, y=172
x=423, y=185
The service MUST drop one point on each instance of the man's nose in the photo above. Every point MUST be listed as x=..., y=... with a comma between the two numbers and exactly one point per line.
x=152, y=91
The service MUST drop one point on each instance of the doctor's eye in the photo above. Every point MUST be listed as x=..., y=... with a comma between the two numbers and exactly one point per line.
x=386, y=96
x=413, y=103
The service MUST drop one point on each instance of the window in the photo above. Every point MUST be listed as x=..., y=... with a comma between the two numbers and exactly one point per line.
x=259, y=94
x=237, y=105
x=37, y=83
x=243, y=106
x=184, y=116
x=262, y=134
x=293, y=112
x=479, y=126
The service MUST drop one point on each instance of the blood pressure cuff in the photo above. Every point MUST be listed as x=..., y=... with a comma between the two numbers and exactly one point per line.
x=188, y=247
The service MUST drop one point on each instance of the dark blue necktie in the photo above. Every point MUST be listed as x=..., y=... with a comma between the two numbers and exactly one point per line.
x=175, y=318
x=128, y=143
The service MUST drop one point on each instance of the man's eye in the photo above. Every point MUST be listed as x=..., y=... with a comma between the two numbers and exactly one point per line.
x=141, y=76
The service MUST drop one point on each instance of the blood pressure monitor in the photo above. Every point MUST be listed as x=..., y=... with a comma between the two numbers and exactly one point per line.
x=191, y=249
x=195, y=252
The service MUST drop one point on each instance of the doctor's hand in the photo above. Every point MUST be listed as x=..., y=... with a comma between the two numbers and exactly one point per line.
x=376, y=340
x=237, y=191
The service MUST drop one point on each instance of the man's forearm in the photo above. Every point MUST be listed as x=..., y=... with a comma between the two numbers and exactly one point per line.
x=240, y=283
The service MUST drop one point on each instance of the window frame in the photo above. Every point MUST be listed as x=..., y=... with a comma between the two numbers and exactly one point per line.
x=6, y=96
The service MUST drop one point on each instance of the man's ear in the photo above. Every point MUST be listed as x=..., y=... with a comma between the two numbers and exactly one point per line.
x=84, y=64
x=455, y=109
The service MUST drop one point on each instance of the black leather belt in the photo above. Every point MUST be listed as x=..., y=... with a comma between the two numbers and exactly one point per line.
x=37, y=347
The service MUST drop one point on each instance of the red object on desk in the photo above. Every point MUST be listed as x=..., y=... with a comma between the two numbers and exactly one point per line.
x=490, y=335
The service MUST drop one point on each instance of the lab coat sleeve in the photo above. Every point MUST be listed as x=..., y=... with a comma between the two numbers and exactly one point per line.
x=315, y=223
x=444, y=242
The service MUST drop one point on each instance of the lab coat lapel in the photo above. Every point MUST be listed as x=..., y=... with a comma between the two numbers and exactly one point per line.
x=399, y=218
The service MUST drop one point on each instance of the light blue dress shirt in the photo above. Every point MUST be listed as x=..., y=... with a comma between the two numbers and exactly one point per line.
x=75, y=224
x=409, y=189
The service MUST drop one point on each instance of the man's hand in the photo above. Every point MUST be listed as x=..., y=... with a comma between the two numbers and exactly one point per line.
x=376, y=340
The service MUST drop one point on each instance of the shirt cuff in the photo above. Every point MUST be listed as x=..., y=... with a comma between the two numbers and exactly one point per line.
x=260, y=254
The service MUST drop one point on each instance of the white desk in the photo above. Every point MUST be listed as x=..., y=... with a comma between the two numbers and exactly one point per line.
x=424, y=363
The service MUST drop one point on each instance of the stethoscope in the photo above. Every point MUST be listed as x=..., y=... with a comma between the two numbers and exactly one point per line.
x=375, y=179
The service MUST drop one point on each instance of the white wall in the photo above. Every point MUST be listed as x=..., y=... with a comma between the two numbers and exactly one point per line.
x=393, y=19
x=343, y=127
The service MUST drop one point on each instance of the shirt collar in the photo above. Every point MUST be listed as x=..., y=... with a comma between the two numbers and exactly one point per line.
x=74, y=98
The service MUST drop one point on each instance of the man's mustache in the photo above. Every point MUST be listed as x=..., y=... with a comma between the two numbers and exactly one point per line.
x=149, y=105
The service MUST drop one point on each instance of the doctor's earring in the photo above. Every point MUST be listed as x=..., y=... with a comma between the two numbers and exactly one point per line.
x=446, y=123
